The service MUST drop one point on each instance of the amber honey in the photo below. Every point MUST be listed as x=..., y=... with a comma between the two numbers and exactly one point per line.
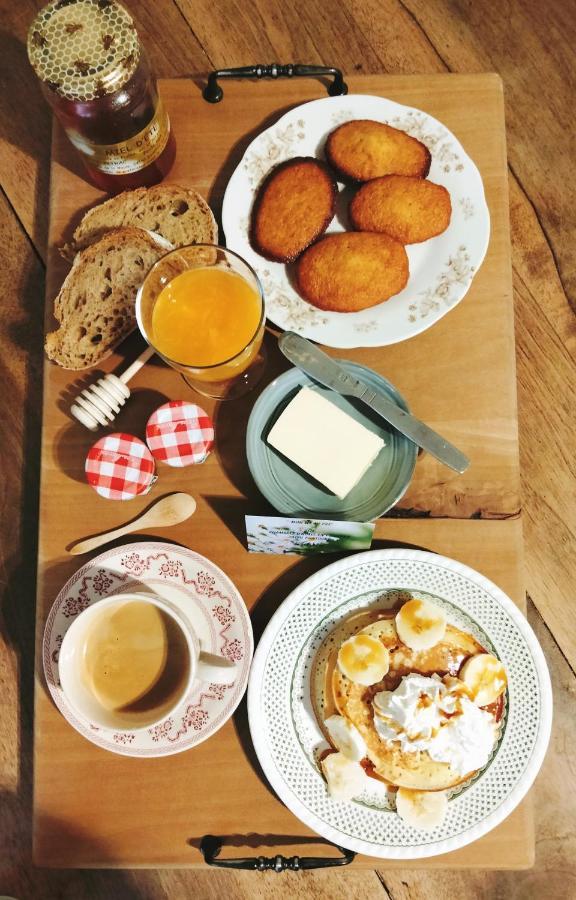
x=95, y=75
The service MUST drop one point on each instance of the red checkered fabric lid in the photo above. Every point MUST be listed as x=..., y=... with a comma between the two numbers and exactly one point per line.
x=120, y=466
x=180, y=433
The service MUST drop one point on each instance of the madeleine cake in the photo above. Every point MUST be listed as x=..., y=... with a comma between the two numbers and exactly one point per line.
x=363, y=149
x=293, y=207
x=352, y=271
x=410, y=210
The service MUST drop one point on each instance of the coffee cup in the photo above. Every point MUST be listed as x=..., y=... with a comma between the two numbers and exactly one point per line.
x=128, y=661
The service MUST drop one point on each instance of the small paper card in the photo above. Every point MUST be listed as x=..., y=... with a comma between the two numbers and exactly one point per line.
x=275, y=534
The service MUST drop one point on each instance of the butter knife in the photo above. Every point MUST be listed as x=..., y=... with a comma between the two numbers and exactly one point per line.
x=322, y=368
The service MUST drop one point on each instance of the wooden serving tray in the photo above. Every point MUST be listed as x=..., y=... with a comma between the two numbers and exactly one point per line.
x=92, y=808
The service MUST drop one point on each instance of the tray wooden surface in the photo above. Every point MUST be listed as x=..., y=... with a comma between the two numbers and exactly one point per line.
x=92, y=808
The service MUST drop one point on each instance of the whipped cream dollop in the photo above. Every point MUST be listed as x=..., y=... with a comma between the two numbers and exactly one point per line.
x=424, y=713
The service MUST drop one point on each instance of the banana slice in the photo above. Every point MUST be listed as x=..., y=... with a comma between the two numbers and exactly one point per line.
x=346, y=737
x=485, y=678
x=363, y=659
x=420, y=624
x=344, y=777
x=421, y=809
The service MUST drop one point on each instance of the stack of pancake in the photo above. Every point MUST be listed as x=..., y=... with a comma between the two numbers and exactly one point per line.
x=457, y=658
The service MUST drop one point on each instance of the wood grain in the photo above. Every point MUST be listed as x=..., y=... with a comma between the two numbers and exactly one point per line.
x=217, y=787
x=531, y=45
x=476, y=338
x=25, y=125
x=71, y=774
x=21, y=286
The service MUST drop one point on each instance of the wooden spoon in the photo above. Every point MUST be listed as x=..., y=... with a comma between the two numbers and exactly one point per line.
x=169, y=510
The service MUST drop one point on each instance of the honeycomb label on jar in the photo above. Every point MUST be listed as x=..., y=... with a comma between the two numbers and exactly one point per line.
x=83, y=49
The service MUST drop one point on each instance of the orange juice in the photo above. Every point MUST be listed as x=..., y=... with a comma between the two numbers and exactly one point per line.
x=205, y=316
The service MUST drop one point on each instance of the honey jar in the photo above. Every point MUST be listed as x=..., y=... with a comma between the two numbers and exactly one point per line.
x=96, y=77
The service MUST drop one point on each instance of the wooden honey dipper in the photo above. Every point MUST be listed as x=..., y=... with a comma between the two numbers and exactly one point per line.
x=100, y=403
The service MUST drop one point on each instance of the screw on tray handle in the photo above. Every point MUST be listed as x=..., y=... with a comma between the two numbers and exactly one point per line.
x=213, y=93
x=211, y=846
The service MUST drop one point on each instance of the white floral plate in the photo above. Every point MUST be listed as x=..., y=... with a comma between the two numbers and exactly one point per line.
x=287, y=737
x=441, y=269
x=196, y=588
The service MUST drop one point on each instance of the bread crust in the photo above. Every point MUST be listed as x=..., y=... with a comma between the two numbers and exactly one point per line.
x=351, y=271
x=95, y=307
x=179, y=214
x=410, y=210
x=364, y=149
x=293, y=207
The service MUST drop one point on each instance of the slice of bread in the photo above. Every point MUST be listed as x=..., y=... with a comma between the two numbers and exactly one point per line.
x=177, y=213
x=95, y=306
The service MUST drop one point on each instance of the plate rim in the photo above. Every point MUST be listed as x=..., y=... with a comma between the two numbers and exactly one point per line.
x=363, y=340
x=71, y=718
x=258, y=734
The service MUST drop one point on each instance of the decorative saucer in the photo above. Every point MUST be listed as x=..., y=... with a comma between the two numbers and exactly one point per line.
x=196, y=588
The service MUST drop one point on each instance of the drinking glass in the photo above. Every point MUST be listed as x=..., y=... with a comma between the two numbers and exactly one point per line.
x=225, y=378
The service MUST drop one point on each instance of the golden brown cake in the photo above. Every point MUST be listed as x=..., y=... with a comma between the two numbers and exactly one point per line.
x=294, y=206
x=364, y=149
x=352, y=271
x=386, y=759
x=410, y=210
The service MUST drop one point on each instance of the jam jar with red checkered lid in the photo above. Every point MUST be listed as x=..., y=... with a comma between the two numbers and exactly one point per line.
x=180, y=433
x=96, y=77
x=120, y=467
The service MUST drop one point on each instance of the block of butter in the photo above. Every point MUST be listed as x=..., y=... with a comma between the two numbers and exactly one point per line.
x=324, y=441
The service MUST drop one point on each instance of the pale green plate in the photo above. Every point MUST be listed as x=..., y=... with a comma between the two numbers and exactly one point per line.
x=292, y=492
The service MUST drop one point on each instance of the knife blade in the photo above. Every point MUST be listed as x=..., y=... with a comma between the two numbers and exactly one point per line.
x=322, y=368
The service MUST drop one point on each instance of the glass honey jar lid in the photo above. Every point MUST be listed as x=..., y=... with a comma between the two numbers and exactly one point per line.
x=83, y=49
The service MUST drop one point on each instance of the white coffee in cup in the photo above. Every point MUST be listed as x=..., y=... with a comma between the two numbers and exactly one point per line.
x=135, y=659
x=128, y=661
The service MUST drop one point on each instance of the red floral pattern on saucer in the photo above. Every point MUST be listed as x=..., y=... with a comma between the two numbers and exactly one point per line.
x=196, y=588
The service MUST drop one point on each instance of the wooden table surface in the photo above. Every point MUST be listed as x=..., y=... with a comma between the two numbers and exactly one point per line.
x=530, y=45
x=70, y=773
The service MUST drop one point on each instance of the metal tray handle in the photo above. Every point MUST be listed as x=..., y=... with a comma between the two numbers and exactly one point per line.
x=213, y=93
x=211, y=846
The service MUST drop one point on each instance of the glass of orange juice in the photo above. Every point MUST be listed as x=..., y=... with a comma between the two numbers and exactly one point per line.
x=202, y=309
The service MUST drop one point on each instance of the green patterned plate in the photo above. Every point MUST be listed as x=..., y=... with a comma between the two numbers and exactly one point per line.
x=289, y=742
x=292, y=492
